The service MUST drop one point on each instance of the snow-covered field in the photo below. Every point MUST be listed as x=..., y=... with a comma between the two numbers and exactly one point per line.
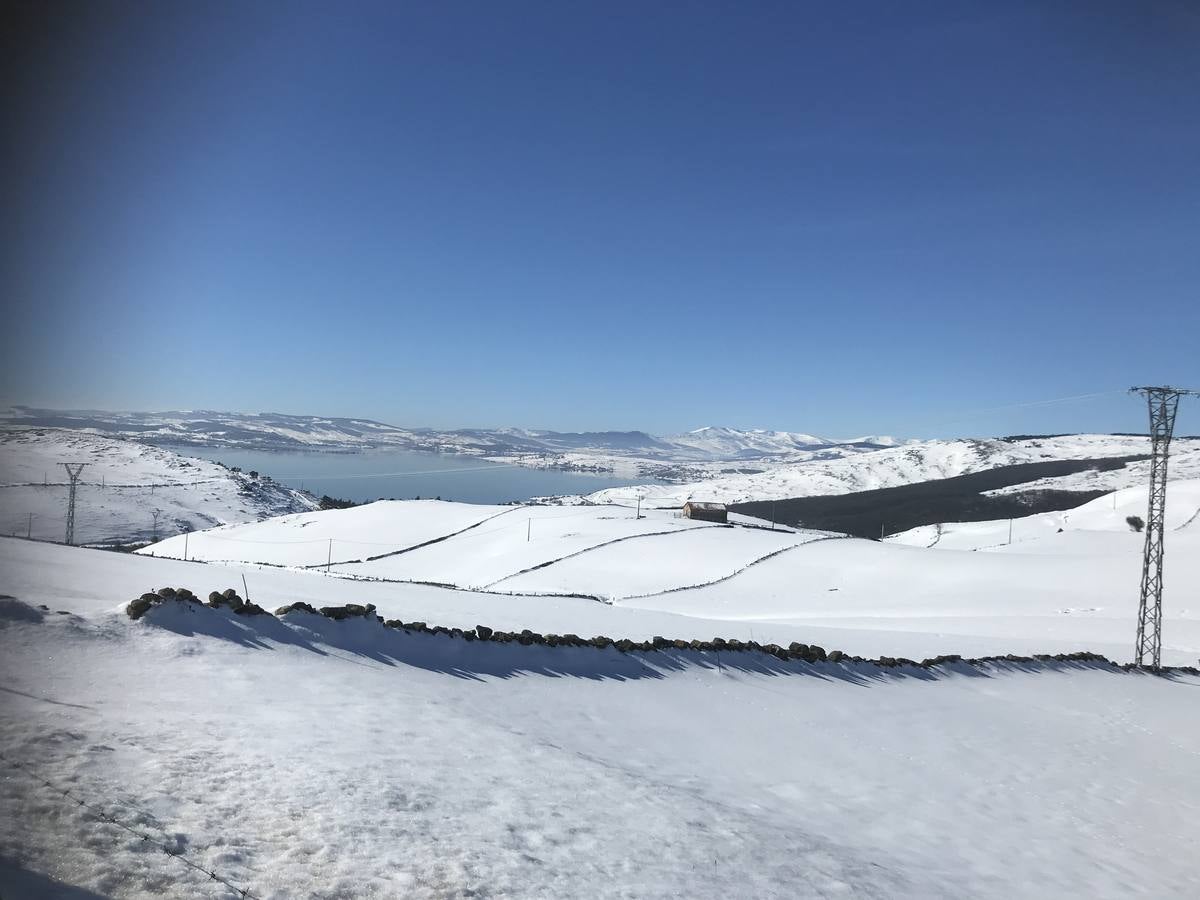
x=121, y=486
x=311, y=758
x=1048, y=592
x=315, y=538
x=302, y=757
x=502, y=547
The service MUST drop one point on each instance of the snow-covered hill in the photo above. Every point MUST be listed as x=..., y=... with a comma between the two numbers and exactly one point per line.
x=304, y=757
x=1103, y=519
x=121, y=487
x=275, y=431
x=730, y=443
x=1075, y=591
x=715, y=463
x=816, y=475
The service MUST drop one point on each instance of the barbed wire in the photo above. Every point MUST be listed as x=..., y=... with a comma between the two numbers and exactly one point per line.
x=99, y=813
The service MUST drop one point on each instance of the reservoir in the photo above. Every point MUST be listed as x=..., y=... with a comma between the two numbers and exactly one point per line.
x=403, y=474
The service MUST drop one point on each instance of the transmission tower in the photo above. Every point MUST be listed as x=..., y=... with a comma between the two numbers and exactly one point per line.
x=73, y=470
x=1163, y=403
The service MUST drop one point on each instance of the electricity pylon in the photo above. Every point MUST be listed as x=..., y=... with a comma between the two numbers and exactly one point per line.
x=73, y=470
x=1163, y=403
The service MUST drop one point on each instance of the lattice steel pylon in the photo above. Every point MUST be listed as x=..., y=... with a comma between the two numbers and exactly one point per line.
x=73, y=470
x=1163, y=403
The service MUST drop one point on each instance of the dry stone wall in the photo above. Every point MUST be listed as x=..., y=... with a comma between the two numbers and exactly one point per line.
x=807, y=653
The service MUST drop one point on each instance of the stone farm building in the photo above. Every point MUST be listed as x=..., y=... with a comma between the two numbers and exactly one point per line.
x=707, y=512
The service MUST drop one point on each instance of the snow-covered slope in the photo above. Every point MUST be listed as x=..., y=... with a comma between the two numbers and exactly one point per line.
x=1066, y=594
x=496, y=547
x=731, y=443
x=1055, y=532
x=911, y=463
x=121, y=486
x=315, y=538
x=709, y=463
x=308, y=757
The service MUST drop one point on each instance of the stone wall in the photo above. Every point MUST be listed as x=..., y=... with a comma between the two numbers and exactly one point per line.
x=795, y=651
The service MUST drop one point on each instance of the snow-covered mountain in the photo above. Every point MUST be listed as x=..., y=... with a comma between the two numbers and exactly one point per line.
x=278, y=431
x=714, y=442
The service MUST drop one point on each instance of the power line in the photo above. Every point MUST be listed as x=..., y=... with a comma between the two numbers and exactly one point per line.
x=965, y=414
x=73, y=470
x=1163, y=402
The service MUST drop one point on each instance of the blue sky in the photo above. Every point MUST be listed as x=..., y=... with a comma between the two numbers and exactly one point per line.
x=839, y=218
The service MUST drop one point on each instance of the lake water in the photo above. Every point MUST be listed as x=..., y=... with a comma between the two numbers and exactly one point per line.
x=400, y=474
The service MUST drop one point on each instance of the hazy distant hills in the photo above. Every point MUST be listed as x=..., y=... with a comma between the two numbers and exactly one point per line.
x=277, y=431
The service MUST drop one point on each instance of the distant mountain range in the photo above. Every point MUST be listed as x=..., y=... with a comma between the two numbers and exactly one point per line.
x=276, y=431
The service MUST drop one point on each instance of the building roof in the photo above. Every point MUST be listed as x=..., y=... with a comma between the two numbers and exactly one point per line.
x=713, y=506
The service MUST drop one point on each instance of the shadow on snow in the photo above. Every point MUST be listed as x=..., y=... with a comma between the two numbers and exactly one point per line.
x=366, y=641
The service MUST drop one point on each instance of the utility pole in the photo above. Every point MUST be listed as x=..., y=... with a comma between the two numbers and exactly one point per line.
x=639, y=507
x=156, y=513
x=773, y=519
x=1010, y=531
x=329, y=558
x=29, y=528
x=1163, y=402
x=528, y=529
x=185, y=543
x=73, y=470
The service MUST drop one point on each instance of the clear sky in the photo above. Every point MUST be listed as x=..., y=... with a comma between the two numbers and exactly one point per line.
x=835, y=217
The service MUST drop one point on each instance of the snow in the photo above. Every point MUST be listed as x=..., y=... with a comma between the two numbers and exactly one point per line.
x=305, y=757
x=715, y=442
x=1184, y=464
x=313, y=538
x=816, y=473
x=586, y=450
x=121, y=486
x=618, y=570
x=1040, y=533
x=526, y=538
x=1049, y=592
